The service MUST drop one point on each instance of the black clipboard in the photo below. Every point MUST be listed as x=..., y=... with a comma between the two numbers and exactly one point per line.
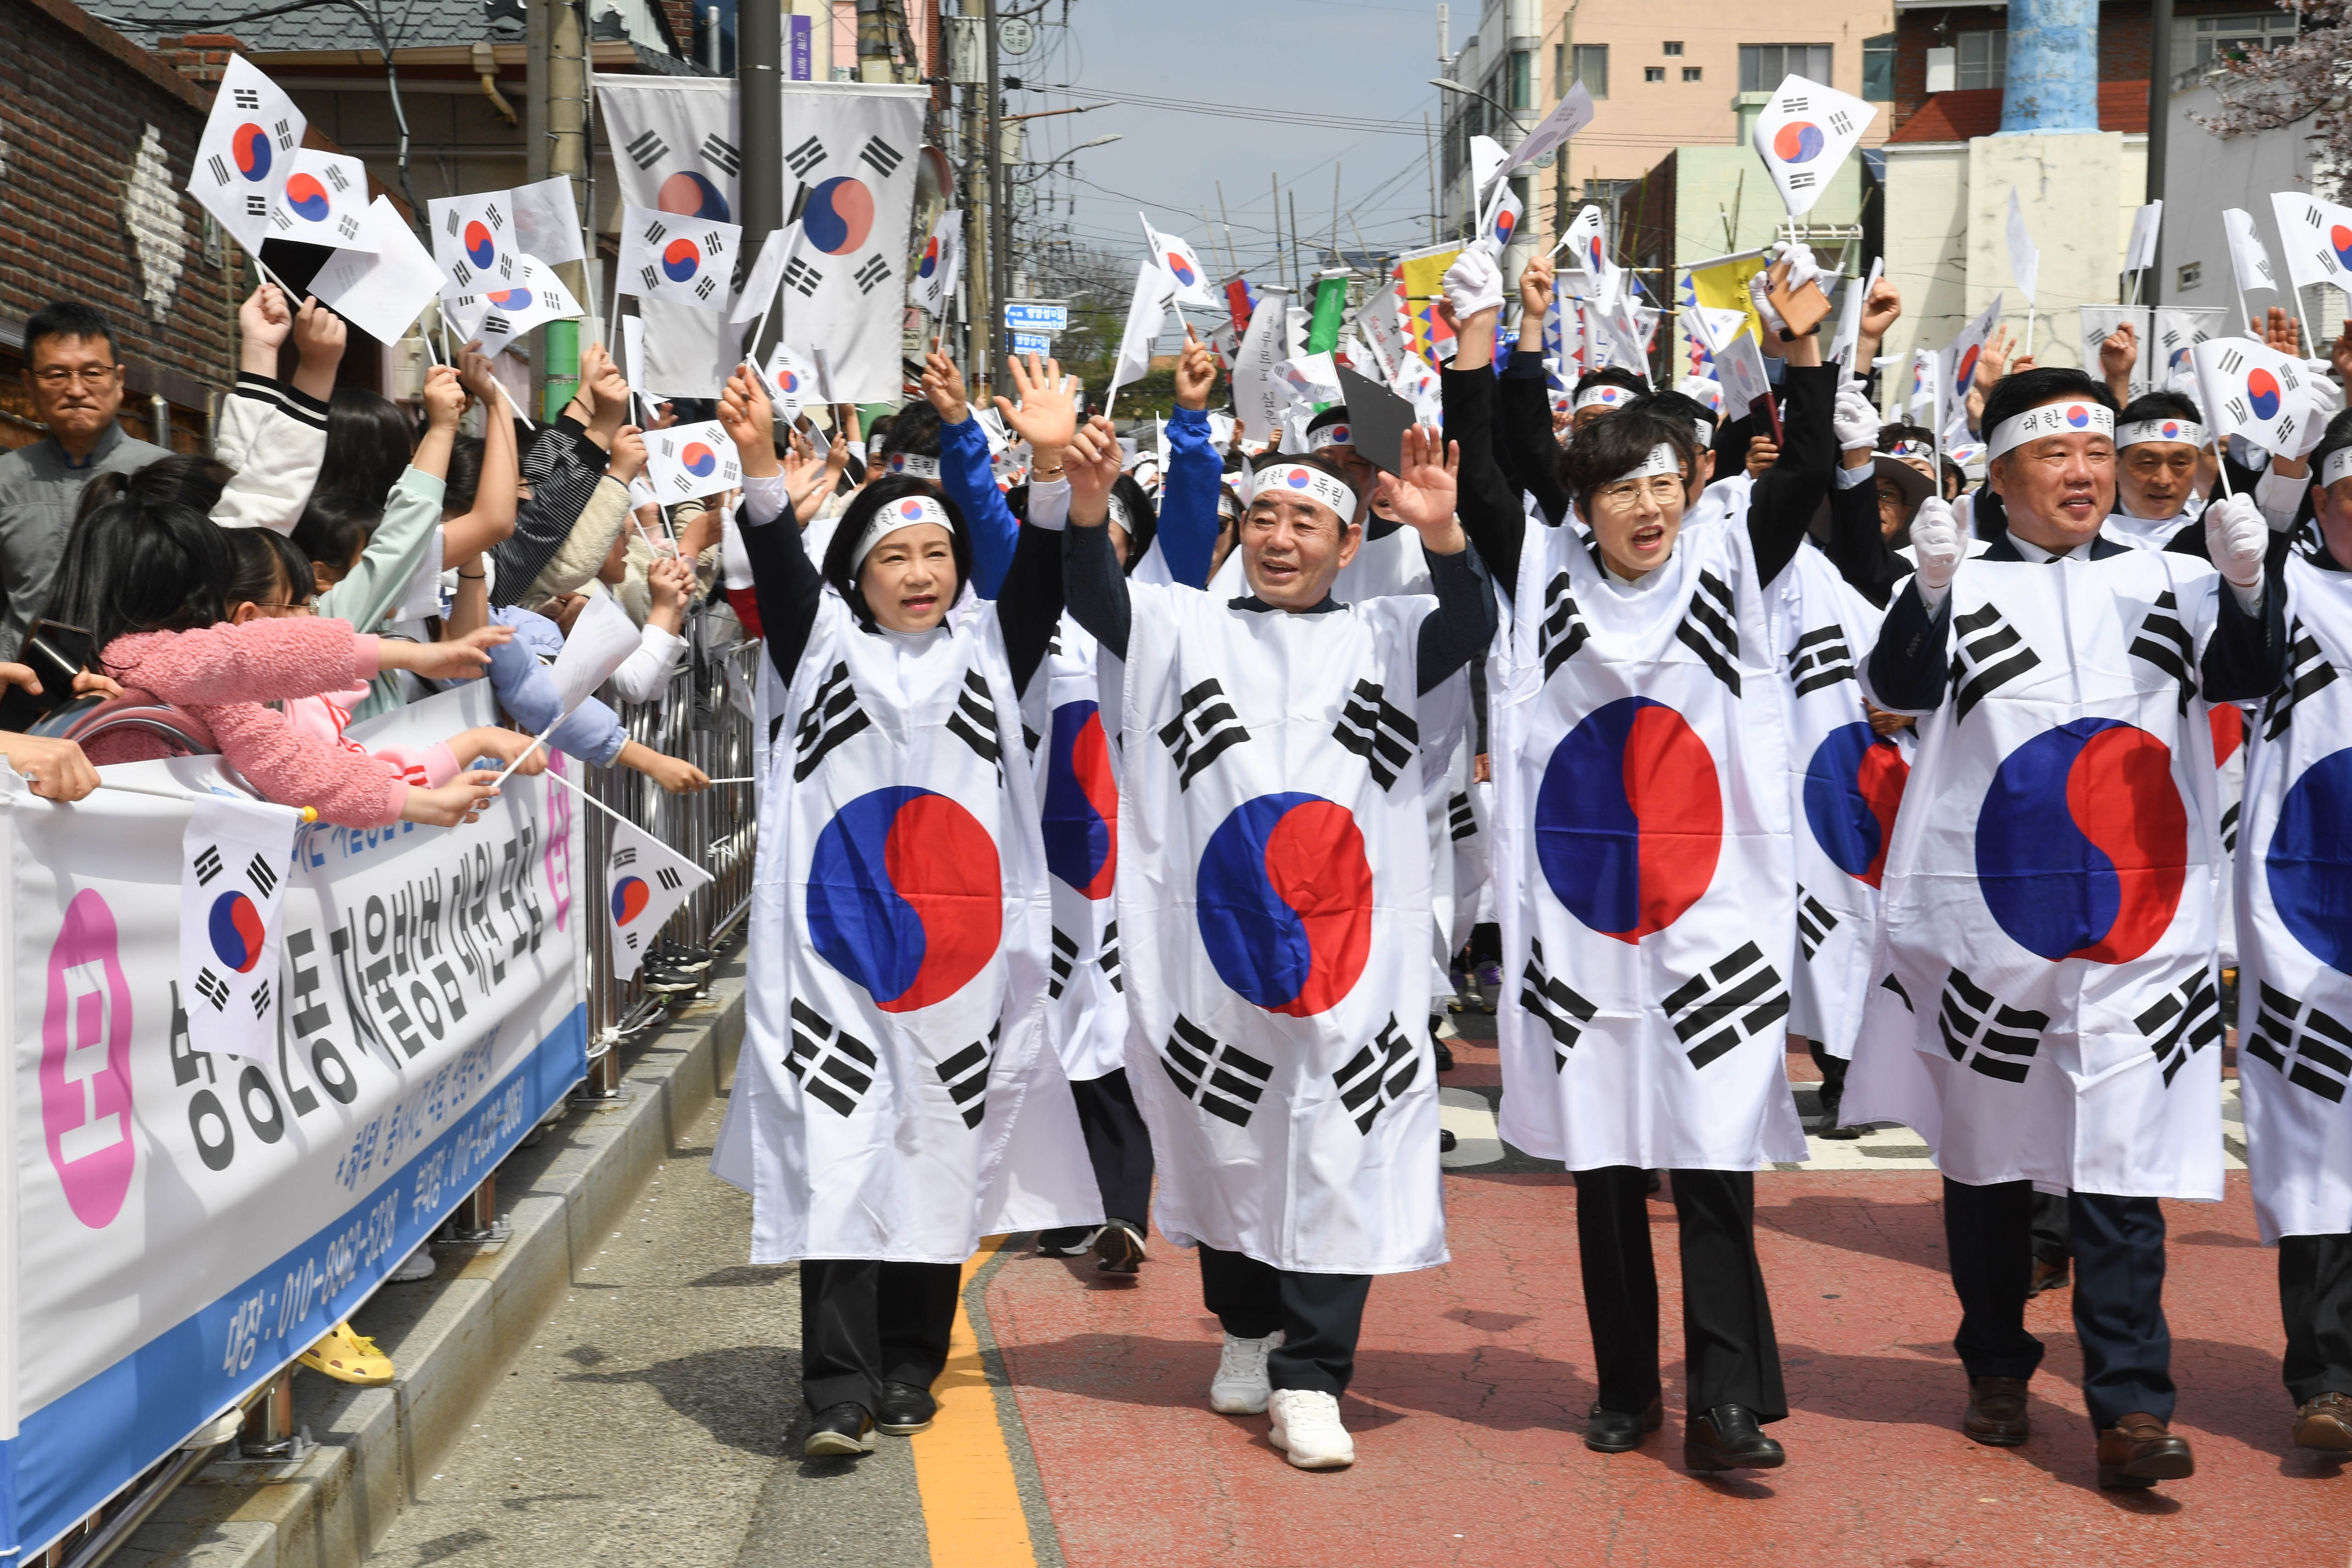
x=1377, y=421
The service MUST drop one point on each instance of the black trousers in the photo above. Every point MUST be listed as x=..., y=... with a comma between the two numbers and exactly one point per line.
x=1833, y=1090
x=1320, y=1316
x=1116, y=1144
x=2117, y=1245
x=2315, y=1300
x=2054, y=1231
x=865, y=1323
x=1730, y=1354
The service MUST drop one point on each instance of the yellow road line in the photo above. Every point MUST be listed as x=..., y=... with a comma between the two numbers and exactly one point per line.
x=972, y=1504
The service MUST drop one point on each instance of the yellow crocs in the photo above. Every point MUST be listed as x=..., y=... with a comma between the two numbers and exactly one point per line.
x=349, y=1357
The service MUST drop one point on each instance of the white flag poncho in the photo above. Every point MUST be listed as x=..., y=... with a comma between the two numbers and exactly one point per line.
x=2295, y=923
x=1642, y=861
x=1845, y=781
x=2046, y=1006
x=898, y=1100
x=1273, y=897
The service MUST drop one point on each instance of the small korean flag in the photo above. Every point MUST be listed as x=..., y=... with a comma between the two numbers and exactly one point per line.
x=645, y=883
x=682, y=259
x=247, y=153
x=1175, y=257
x=235, y=859
x=535, y=296
x=325, y=202
x=474, y=241
x=1804, y=135
x=690, y=459
x=2251, y=390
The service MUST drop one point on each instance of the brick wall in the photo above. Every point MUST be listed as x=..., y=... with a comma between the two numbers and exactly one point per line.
x=2123, y=45
x=97, y=135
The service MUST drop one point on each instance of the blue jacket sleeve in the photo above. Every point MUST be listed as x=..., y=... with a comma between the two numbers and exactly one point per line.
x=965, y=476
x=1188, y=498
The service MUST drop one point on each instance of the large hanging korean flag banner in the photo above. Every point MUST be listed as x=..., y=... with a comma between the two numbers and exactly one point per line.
x=1804, y=134
x=247, y=153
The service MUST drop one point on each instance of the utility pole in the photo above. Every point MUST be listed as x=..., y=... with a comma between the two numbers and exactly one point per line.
x=978, y=253
x=555, y=132
x=999, y=222
x=758, y=90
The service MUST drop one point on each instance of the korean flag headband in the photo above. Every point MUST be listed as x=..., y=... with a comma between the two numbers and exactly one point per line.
x=1661, y=460
x=903, y=513
x=2146, y=430
x=1329, y=436
x=914, y=465
x=2338, y=467
x=2051, y=419
x=1606, y=395
x=1313, y=483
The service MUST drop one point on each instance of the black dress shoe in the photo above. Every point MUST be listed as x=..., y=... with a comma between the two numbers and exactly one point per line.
x=1616, y=1432
x=1445, y=1142
x=904, y=1409
x=1444, y=1055
x=1728, y=1437
x=837, y=1431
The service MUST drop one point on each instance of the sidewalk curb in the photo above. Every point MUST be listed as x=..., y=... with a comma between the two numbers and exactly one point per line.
x=453, y=1335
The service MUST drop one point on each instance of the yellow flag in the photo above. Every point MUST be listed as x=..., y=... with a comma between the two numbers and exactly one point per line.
x=1423, y=272
x=1723, y=287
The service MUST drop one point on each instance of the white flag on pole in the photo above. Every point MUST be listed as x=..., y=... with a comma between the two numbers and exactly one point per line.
x=2316, y=237
x=1804, y=135
x=547, y=221
x=1260, y=399
x=1187, y=279
x=2248, y=259
x=1571, y=114
x=1586, y=243
x=936, y=275
x=645, y=883
x=235, y=859
x=791, y=378
x=474, y=241
x=678, y=260
x=1146, y=311
x=325, y=201
x=1487, y=161
x=600, y=642
x=2251, y=390
x=690, y=459
x=1924, y=378
x=246, y=153
x=2024, y=256
x=2146, y=224
x=381, y=285
x=1960, y=360
x=766, y=276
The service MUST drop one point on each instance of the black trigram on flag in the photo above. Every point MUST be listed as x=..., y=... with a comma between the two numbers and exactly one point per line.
x=707, y=287
x=973, y=722
x=713, y=243
x=800, y=274
x=208, y=866
x=833, y=716
x=1710, y=629
x=1376, y=1076
x=626, y=856
x=1991, y=654
x=833, y=1066
x=1735, y=1000
x=1064, y=960
x=880, y=156
x=2308, y=672
x=213, y=989
x=2184, y=1021
x=966, y=1076
x=261, y=875
x=219, y=167
x=1562, y=630
x=247, y=100
x=2230, y=826
x=285, y=132
x=646, y=150
x=1222, y=1079
x=1969, y=1017
x=1563, y=1012
x=804, y=157
x=1377, y=731
x=1814, y=922
x=337, y=178
x=1820, y=659
x=870, y=275
x=1461, y=821
x=2164, y=643
x=1841, y=122
x=656, y=232
x=1108, y=963
x=1204, y=728
x=2312, y=1050
x=260, y=1000
x=721, y=152
x=256, y=207
x=669, y=879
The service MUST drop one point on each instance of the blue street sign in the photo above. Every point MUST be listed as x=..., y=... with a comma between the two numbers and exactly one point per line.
x=1036, y=316
x=1031, y=343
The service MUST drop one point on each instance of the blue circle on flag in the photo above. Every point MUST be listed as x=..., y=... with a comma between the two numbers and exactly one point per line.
x=2308, y=862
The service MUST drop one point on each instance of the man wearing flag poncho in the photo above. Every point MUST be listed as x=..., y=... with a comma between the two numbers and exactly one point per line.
x=1644, y=870
x=1273, y=893
x=2295, y=948
x=898, y=1099
x=2046, y=1016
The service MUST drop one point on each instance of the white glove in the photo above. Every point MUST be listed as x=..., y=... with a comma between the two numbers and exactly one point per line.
x=1854, y=420
x=1802, y=267
x=2236, y=537
x=1758, y=295
x=1474, y=283
x=1936, y=545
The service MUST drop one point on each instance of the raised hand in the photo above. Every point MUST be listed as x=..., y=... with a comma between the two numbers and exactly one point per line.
x=1093, y=462
x=318, y=338
x=1880, y=308
x=749, y=420
x=445, y=400
x=628, y=453
x=1422, y=492
x=1044, y=419
x=2280, y=332
x=943, y=386
x=1196, y=372
x=474, y=373
x=1536, y=288
x=1936, y=544
x=262, y=323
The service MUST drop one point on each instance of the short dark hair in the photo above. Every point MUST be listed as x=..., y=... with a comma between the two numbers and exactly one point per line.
x=465, y=481
x=914, y=430
x=1679, y=406
x=842, y=572
x=2013, y=394
x=369, y=441
x=2160, y=405
x=1610, y=376
x=66, y=318
x=1608, y=449
x=1901, y=429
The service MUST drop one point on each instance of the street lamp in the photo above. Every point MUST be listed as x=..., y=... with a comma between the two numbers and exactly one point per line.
x=1450, y=85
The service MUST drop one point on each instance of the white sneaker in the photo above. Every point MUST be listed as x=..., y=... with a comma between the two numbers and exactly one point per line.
x=1239, y=1387
x=417, y=1265
x=1307, y=1429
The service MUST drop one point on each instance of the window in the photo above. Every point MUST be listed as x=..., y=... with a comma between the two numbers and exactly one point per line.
x=1654, y=73
x=1878, y=68
x=1691, y=73
x=2198, y=41
x=1592, y=68
x=1984, y=59
x=1673, y=48
x=1523, y=79
x=2189, y=276
x=1762, y=65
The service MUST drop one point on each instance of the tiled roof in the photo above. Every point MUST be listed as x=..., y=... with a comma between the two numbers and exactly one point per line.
x=412, y=24
x=1957, y=116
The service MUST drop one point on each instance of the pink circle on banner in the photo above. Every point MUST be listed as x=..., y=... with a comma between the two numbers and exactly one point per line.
x=86, y=1064
x=558, y=856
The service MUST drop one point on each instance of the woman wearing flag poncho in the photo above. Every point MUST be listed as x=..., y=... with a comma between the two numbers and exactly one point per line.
x=2046, y=1015
x=1644, y=870
x=895, y=1029
x=1273, y=892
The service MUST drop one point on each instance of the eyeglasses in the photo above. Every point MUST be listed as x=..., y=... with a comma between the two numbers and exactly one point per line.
x=1665, y=489
x=55, y=376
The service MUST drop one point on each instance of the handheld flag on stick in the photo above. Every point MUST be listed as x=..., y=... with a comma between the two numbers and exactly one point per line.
x=1571, y=114
x=2140, y=255
x=247, y=153
x=547, y=221
x=690, y=460
x=1187, y=279
x=536, y=296
x=381, y=285
x=2249, y=262
x=1147, y=312
x=683, y=261
x=936, y=275
x=2316, y=240
x=233, y=868
x=645, y=883
x=1805, y=136
x=474, y=241
x=2252, y=389
x=2024, y=262
x=325, y=201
